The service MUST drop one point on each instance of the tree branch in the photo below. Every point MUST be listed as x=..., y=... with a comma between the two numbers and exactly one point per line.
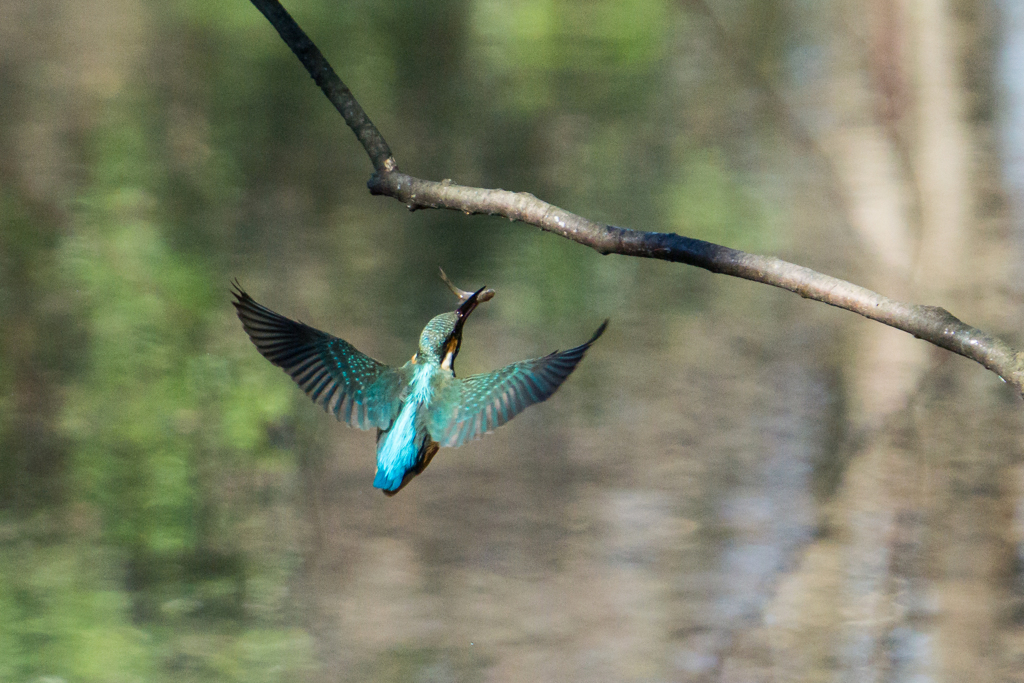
x=930, y=323
x=335, y=90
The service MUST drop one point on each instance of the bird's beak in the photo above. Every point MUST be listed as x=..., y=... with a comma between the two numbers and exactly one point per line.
x=468, y=306
x=454, y=340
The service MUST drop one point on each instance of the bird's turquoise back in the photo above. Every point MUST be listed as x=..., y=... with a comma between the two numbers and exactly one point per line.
x=400, y=448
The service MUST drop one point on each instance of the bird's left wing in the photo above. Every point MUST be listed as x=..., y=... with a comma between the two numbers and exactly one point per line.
x=354, y=387
x=469, y=408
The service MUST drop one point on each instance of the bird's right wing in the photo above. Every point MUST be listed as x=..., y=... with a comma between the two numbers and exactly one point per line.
x=481, y=403
x=354, y=387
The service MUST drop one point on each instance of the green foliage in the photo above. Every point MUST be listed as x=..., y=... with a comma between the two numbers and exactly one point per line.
x=708, y=201
x=531, y=45
x=62, y=617
x=164, y=407
x=64, y=614
x=153, y=398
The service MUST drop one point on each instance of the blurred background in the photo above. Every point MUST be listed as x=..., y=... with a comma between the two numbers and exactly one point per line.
x=735, y=485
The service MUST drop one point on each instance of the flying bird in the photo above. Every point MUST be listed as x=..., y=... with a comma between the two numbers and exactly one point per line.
x=419, y=406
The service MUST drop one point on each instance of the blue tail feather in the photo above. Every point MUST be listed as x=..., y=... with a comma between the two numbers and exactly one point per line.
x=399, y=449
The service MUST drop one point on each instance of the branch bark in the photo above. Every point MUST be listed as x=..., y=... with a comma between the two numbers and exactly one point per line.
x=929, y=323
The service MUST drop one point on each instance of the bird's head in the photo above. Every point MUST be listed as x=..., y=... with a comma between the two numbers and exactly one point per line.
x=442, y=337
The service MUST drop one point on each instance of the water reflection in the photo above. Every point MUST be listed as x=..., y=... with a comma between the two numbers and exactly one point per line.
x=1011, y=86
x=735, y=485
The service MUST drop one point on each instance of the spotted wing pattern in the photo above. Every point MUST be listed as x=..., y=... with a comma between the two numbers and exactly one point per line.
x=469, y=408
x=351, y=385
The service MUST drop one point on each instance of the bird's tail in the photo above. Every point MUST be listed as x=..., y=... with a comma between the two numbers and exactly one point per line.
x=403, y=451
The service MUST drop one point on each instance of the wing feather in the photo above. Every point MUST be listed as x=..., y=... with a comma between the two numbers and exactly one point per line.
x=469, y=408
x=345, y=382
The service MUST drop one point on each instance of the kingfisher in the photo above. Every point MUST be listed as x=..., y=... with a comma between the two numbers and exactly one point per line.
x=419, y=406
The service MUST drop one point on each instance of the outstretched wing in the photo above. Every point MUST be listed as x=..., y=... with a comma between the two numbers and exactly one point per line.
x=332, y=372
x=469, y=408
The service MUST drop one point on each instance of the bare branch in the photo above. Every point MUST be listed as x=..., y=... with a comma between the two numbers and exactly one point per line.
x=335, y=90
x=930, y=323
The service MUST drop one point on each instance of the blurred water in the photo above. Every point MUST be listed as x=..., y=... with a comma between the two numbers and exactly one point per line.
x=734, y=485
x=1011, y=86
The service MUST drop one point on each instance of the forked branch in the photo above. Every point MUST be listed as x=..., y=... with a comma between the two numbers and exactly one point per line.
x=930, y=323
